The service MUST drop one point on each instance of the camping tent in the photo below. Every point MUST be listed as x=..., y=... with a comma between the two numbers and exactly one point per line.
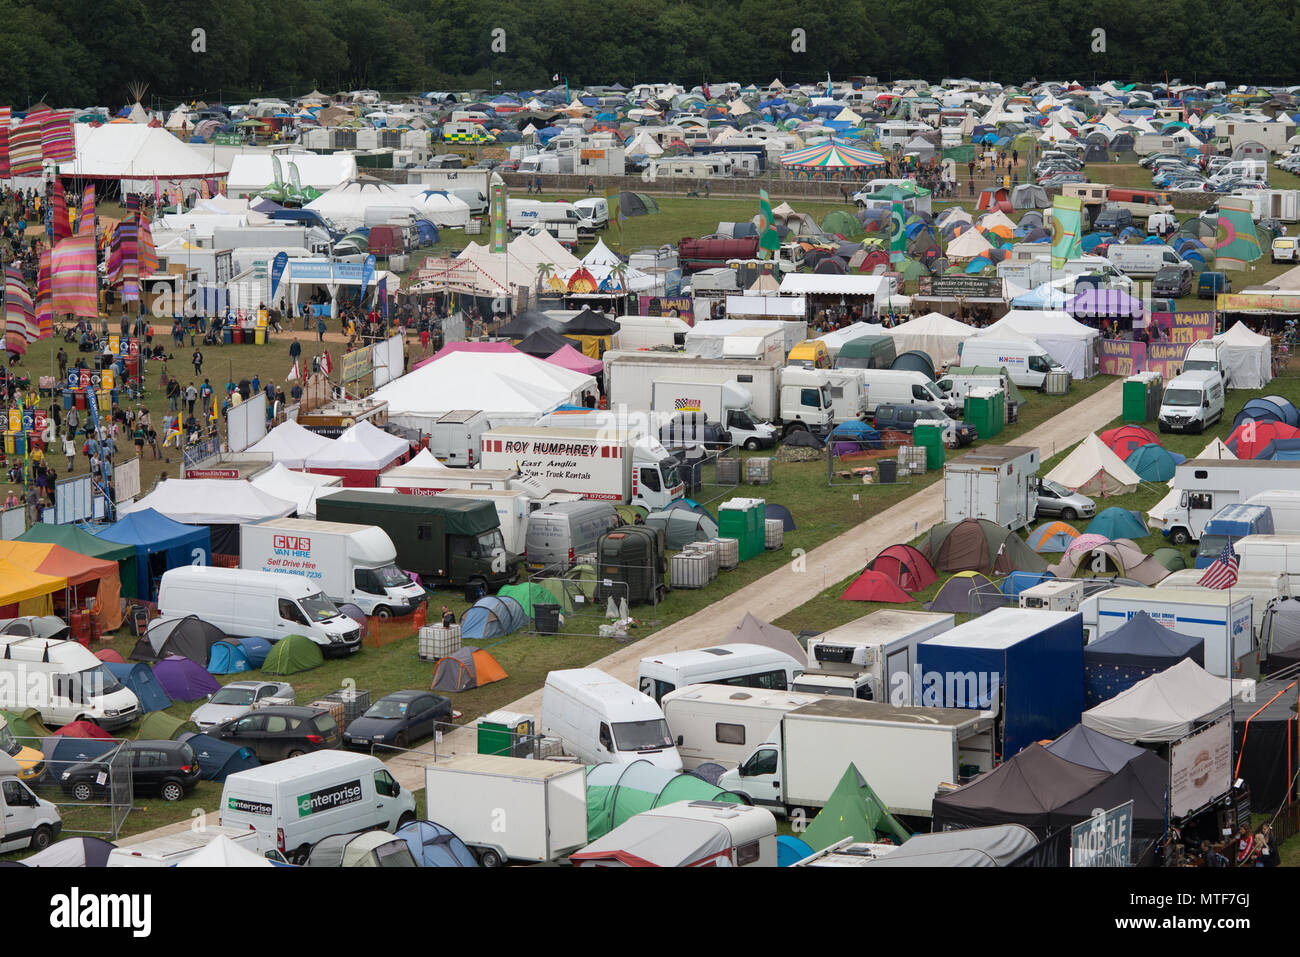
x=221, y=851
x=185, y=680
x=432, y=845
x=967, y=593
x=79, y=540
x=87, y=577
x=1248, y=357
x=228, y=658
x=190, y=636
x=682, y=526
x=1137, y=649
x=292, y=654
x=1052, y=536
x=754, y=631
x=160, y=544
x=359, y=455
x=1152, y=463
x=1121, y=557
x=1166, y=706
x=905, y=566
x=979, y=545
x=530, y=594
x=219, y=758
x=73, y=852
x=140, y=680
x=616, y=792
x=1093, y=469
x=464, y=669
x=1124, y=440
x=1252, y=440
x=648, y=840
x=492, y=617
x=1117, y=522
x=361, y=849
x=161, y=726
x=852, y=810
x=875, y=586
x=934, y=334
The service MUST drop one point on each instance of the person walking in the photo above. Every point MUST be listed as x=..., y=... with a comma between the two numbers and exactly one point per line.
x=191, y=396
x=70, y=450
x=320, y=329
x=197, y=359
x=295, y=350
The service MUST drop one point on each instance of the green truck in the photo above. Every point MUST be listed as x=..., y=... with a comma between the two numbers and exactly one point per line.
x=443, y=539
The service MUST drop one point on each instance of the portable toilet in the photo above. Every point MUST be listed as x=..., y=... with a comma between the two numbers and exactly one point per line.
x=928, y=434
x=742, y=519
x=505, y=733
x=1141, y=397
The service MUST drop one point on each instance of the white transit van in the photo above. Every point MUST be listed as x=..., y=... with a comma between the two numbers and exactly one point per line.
x=900, y=387
x=64, y=682
x=298, y=801
x=1192, y=401
x=594, y=208
x=739, y=664
x=1206, y=355
x=603, y=721
x=1027, y=362
x=559, y=533
x=247, y=604
x=1142, y=260
x=349, y=563
x=25, y=820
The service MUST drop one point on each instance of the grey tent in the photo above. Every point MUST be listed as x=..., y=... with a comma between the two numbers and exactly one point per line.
x=914, y=360
x=681, y=526
x=528, y=322
x=39, y=626
x=995, y=846
x=1092, y=749
x=968, y=593
x=73, y=852
x=755, y=631
x=1279, y=634
x=802, y=438
x=1029, y=196
x=361, y=849
x=189, y=637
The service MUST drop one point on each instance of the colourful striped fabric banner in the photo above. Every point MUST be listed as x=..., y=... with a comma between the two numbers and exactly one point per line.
x=59, y=215
x=20, y=324
x=6, y=116
x=44, y=298
x=86, y=222
x=74, y=280
x=57, y=143
x=146, y=252
x=25, y=148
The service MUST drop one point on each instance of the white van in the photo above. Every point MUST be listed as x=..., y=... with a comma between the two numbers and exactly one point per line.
x=603, y=721
x=298, y=801
x=560, y=533
x=390, y=215
x=1191, y=402
x=1206, y=355
x=254, y=604
x=594, y=208
x=1097, y=266
x=738, y=664
x=1142, y=260
x=900, y=387
x=25, y=820
x=1027, y=362
x=718, y=724
x=64, y=682
x=171, y=849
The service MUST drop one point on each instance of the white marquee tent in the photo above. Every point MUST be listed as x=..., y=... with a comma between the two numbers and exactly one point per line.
x=1093, y=469
x=211, y=502
x=1248, y=356
x=1167, y=705
x=1069, y=342
x=291, y=445
x=301, y=488
x=934, y=334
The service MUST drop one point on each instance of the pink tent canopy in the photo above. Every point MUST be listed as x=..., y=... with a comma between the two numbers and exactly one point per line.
x=568, y=357
x=451, y=347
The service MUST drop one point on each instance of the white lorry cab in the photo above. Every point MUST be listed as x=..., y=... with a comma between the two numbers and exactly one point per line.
x=255, y=604
x=738, y=665
x=64, y=682
x=296, y=802
x=25, y=820
x=603, y=721
x=1191, y=402
x=349, y=563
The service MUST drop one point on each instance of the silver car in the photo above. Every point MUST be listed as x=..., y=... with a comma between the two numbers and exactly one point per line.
x=1058, y=501
x=238, y=698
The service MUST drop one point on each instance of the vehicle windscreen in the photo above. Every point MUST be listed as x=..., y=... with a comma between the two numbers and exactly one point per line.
x=99, y=680
x=387, y=708
x=852, y=362
x=741, y=420
x=391, y=576
x=239, y=697
x=1056, y=487
x=668, y=468
x=8, y=743
x=1182, y=397
x=1200, y=365
x=319, y=608
x=642, y=735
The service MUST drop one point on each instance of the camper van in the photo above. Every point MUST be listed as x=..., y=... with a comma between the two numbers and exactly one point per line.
x=738, y=665
x=1027, y=362
x=1142, y=260
x=1192, y=401
x=603, y=721
x=720, y=724
x=258, y=604
x=298, y=801
x=64, y=682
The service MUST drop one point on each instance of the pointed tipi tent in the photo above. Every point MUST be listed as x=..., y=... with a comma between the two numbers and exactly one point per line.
x=1094, y=469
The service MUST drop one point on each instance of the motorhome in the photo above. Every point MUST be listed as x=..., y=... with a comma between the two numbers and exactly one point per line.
x=737, y=665
x=1203, y=486
x=719, y=723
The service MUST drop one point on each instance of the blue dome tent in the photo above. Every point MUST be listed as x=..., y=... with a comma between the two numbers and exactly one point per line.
x=432, y=845
x=218, y=758
x=1117, y=522
x=492, y=617
x=228, y=658
x=139, y=680
x=1152, y=463
x=255, y=650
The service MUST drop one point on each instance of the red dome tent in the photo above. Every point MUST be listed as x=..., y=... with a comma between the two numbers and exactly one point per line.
x=1123, y=440
x=876, y=586
x=905, y=566
x=1251, y=438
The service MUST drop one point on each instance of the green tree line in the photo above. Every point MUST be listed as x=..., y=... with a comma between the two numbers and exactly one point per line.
x=88, y=52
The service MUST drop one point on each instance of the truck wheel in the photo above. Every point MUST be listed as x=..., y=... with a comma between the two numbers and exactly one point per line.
x=383, y=613
x=489, y=859
x=1068, y=515
x=82, y=791
x=172, y=791
x=41, y=839
x=752, y=444
x=1179, y=536
x=300, y=856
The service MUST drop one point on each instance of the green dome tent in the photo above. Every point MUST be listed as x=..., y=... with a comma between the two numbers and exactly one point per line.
x=529, y=594
x=615, y=792
x=1171, y=558
x=161, y=726
x=843, y=223
x=293, y=654
x=26, y=724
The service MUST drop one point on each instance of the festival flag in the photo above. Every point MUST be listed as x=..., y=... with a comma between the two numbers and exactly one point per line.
x=25, y=148
x=295, y=372
x=74, y=277
x=326, y=366
x=86, y=222
x=20, y=322
x=57, y=142
x=1223, y=572
x=897, y=233
x=6, y=115
x=44, y=298
x=1067, y=226
x=59, y=222
x=768, y=240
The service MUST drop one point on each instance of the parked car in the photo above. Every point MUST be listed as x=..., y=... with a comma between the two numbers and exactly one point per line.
x=281, y=731
x=236, y=699
x=1056, y=500
x=1172, y=282
x=902, y=418
x=1284, y=249
x=1060, y=179
x=1148, y=161
x=1112, y=219
x=1209, y=284
x=166, y=768
x=398, y=719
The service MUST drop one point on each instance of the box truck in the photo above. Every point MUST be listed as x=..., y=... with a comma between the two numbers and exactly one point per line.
x=441, y=538
x=509, y=809
x=1222, y=619
x=1263, y=587
x=870, y=658
x=349, y=563
x=1027, y=664
x=723, y=402
x=720, y=724
x=1229, y=524
x=1270, y=553
x=996, y=482
x=609, y=465
x=788, y=398
x=454, y=438
x=905, y=752
x=1203, y=486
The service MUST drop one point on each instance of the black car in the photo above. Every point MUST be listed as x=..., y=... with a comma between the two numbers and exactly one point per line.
x=1172, y=283
x=1112, y=219
x=902, y=418
x=166, y=768
x=397, y=719
x=281, y=732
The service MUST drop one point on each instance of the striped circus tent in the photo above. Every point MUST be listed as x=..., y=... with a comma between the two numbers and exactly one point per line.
x=831, y=160
x=20, y=322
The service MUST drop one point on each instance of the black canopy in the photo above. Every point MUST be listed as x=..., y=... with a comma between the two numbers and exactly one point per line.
x=528, y=322
x=544, y=343
x=589, y=323
x=1266, y=730
x=1092, y=749
x=1143, y=781
x=1142, y=642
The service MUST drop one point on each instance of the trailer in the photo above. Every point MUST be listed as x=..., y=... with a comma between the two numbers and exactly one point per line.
x=997, y=483
x=509, y=809
x=1222, y=619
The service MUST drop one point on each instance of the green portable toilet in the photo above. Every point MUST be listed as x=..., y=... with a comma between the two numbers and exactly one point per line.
x=736, y=519
x=998, y=414
x=978, y=412
x=504, y=733
x=1141, y=397
x=929, y=436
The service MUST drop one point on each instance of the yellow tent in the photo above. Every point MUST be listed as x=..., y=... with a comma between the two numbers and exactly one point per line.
x=30, y=592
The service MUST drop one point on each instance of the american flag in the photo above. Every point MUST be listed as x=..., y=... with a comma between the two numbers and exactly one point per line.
x=1223, y=573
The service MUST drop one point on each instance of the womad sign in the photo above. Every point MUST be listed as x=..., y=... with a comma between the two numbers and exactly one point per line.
x=1178, y=330
x=1183, y=328
x=679, y=307
x=1122, y=357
